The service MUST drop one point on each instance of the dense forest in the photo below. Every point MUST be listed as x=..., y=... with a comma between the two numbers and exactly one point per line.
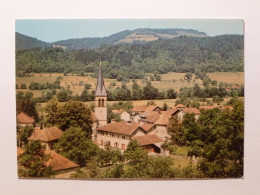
x=26, y=42
x=131, y=61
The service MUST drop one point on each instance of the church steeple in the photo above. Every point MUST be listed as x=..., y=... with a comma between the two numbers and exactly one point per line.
x=101, y=100
x=100, y=90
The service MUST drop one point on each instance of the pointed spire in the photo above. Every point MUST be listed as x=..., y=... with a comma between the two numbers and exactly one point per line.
x=100, y=90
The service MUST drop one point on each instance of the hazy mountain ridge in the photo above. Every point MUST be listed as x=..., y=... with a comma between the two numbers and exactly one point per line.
x=27, y=42
x=141, y=35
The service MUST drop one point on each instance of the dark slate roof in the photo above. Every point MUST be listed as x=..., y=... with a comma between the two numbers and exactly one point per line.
x=100, y=90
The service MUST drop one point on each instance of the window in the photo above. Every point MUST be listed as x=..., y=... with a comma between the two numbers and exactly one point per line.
x=115, y=145
x=123, y=137
x=103, y=103
x=99, y=102
x=123, y=146
x=108, y=143
x=112, y=135
x=102, y=142
x=102, y=133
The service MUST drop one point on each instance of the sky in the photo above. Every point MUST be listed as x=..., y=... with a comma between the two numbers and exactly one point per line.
x=51, y=30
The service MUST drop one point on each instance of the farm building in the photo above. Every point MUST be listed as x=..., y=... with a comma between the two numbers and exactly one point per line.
x=47, y=136
x=124, y=116
x=24, y=120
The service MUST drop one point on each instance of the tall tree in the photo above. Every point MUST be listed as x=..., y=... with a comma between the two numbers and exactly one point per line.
x=70, y=114
x=74, y=145
x=32, y=161
x=25, y=103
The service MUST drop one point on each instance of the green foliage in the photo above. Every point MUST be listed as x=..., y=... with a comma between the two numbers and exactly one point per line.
x=171, y=94
x=75, y=145
x=23, y=86
x=218, y=138
x=69, y=114
x=32, y=161
x=24, y=133
x=130, y=61
x=64, y=95
x=26, y=104
x=150, y=92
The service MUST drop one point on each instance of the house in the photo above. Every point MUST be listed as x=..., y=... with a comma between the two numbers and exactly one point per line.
x=47, y=136
x=23, y=120
x=118, y=134
x=139, y=110
x=59, y=163
x=152, y=143
x=149, y=117
x=181, y=110
x=124, y=116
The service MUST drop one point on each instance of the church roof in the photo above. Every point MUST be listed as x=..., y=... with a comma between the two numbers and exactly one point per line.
x=100, y=90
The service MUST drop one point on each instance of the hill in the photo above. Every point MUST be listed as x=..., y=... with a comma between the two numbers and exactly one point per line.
x=141, y=35
x=130, y=61
x=26, y=42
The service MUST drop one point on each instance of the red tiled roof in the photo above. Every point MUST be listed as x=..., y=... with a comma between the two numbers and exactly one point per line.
x=24, y=118
x=150, y=116
x=59, y=162
x=152, y=107
x=46, y=134
x=147, y=139
x=139, y=108
x=118, y=111
x=93, y=117
x=180, y=106
x=191, y=110
x=122, y=128
x=147, y=127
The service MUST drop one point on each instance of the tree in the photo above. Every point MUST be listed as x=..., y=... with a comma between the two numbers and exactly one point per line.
x=26, y=104
x=165, y=106
x=24, y=133
x=150, y=92
x=32, y=161
x=51, y=110
x=160, y=167
x=23, y=86
x=64, y=95
x=74, y=145
x=70, y=114
x=171, y=94
x=137, y=159
x=188, y=76
x=85, y=95
x=217, y=137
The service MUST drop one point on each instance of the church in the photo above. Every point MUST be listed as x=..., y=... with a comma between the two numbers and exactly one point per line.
x=148, y=125
x=118, y=134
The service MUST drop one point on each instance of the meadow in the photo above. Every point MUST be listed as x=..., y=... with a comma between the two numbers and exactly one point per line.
x=170, y=80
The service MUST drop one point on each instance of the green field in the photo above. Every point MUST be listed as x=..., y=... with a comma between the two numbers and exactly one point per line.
x=170, y=80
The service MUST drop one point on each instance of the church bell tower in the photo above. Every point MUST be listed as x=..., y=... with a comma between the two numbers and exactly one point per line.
x=101, y=100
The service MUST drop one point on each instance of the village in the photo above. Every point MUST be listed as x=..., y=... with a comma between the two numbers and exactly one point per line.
x=148, y=125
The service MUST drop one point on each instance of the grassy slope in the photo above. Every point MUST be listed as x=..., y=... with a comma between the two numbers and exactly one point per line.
x=167, y=81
